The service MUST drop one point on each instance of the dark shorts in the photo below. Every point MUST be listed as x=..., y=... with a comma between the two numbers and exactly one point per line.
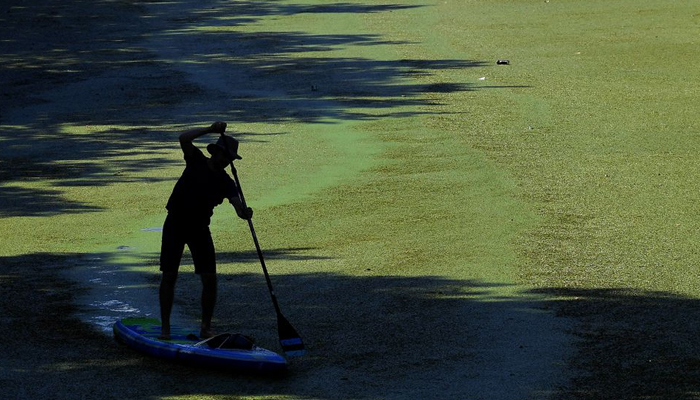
x=176, y=234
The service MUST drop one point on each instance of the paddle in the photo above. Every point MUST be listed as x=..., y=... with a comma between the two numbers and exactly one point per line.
x=290, y=340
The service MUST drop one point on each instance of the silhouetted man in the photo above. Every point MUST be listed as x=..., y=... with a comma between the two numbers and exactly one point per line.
x=204, y=184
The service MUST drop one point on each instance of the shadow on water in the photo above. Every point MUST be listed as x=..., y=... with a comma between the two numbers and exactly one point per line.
x=270, y=254
x=368, y=337
x=111, y=73
x=18, y=201
x=633, y=344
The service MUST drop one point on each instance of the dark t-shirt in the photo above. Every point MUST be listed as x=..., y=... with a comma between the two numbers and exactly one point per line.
x=199, y=190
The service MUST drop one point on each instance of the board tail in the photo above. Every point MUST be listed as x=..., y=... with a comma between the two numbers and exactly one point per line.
x=291, y=342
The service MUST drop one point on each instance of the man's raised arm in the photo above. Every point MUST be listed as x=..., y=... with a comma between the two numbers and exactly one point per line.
x=187, y=137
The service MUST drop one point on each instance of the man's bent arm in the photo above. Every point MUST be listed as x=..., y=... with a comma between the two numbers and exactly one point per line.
x=243, y=212
x=187, y=137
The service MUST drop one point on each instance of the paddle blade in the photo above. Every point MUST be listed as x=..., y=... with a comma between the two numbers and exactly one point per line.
x=290, y=340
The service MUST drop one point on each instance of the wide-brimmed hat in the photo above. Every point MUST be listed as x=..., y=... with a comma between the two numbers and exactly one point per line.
x=227, y=145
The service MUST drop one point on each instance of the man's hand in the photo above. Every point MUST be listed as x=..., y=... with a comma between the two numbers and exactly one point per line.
x=218, y=127
x=245, y=214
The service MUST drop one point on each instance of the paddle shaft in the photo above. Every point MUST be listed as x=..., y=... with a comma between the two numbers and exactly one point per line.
x=239, y=192
x=290, y=341
x=257, y=244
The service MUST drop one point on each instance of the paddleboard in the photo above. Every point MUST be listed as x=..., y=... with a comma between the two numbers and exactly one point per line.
x=141, y=334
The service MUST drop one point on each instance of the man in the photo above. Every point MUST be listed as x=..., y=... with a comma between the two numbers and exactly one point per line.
x=204, y=184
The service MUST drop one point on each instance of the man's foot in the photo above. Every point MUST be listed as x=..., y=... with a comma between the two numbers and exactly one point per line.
x=206, y=333
x=164, y=334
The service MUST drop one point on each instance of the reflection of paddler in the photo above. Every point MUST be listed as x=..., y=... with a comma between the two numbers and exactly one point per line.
x=204, y=184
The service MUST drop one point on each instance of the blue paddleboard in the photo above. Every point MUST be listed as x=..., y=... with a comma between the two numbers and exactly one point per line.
x=141, y=334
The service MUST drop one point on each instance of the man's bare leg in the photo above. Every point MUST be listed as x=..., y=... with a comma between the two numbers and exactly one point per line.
x=209, y=287
x=166, y=296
